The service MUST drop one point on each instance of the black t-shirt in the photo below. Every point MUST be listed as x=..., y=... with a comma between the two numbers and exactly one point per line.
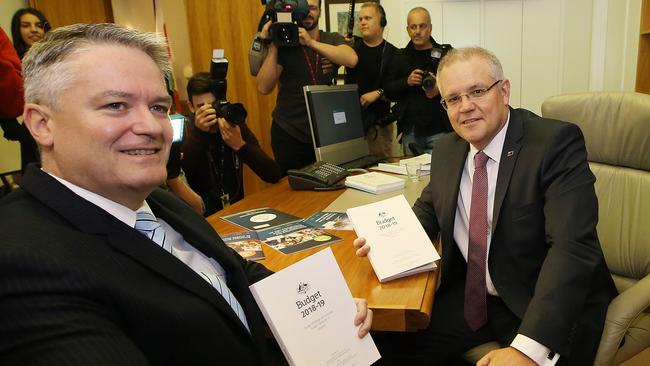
x=368, y=74
x=290, y=111
x=368, y=69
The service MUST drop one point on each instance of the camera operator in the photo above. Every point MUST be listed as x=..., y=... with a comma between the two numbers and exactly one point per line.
x=375, y=55
x=420, y=117
x=315, y=61
x=215, y=149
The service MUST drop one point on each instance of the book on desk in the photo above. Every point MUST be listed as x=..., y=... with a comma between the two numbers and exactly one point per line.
x=375, y=182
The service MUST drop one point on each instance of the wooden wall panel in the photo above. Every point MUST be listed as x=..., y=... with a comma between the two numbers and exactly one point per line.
x=231, y=25
x=65, y=12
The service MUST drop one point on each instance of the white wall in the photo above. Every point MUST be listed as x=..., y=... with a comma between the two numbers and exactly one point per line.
x=547, y=47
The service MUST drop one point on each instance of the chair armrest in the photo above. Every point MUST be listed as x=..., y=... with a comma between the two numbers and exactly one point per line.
x=621, y=313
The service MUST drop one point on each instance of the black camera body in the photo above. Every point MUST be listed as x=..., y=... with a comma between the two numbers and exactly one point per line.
x=233, y=113
x=287, y=16
x=437, y=53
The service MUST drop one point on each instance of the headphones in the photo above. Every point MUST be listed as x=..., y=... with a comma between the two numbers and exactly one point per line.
x=382, y=12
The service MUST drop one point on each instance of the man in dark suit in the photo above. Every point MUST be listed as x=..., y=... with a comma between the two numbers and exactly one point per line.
x=512, y=197
x=97, y=266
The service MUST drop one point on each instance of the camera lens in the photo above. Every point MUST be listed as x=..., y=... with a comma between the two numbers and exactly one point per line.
x=429, y=82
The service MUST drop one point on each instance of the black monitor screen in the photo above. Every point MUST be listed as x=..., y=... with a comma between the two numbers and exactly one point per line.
x=335, y=114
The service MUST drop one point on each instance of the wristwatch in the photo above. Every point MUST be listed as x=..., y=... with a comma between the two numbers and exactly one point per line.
x=380, y=91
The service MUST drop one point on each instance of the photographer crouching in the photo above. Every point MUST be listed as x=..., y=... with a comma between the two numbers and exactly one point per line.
x=218, y=143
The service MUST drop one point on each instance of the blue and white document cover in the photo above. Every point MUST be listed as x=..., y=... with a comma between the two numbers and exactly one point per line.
x=311, y=313
x=329, y=221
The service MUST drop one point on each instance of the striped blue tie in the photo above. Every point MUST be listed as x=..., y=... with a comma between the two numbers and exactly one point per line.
x=147, y=224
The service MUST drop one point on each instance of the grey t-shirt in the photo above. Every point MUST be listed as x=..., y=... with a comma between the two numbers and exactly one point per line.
x=290, y=111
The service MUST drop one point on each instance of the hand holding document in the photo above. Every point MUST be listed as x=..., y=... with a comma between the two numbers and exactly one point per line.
x=397, y=245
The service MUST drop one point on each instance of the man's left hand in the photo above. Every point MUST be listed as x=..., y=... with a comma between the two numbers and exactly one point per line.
x=231, y=134
x=506, y=356
x=363, y=317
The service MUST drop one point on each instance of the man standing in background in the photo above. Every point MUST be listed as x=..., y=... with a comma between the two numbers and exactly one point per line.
x=375, y=55
x=420, y=117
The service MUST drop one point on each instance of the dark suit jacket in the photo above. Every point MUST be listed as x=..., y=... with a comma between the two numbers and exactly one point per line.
x=545, y=259
x=79, y=287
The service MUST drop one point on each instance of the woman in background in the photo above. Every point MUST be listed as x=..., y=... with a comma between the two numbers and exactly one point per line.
x=28, y=26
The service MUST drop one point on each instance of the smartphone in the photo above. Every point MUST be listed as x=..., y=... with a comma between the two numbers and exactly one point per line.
x=178, y=125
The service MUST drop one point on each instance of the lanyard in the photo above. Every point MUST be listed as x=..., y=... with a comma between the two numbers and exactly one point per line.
x=312, y=70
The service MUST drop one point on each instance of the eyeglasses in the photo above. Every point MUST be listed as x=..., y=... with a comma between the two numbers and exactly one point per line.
x=473, y=94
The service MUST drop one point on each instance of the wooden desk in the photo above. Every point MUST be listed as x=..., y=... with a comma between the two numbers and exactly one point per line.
x=399, y=305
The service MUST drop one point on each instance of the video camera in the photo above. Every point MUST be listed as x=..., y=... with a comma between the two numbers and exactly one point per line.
x=287, y=16
x=234, y=113
x=437, y=53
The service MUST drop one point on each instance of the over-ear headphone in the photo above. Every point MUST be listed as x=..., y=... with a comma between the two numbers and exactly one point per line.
x=382, y=12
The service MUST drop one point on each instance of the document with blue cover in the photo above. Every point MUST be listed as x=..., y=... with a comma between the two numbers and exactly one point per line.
x=311, y=312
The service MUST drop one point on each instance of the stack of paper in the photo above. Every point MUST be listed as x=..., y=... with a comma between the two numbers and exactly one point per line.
x=400, y=169
x=399, y=246
x=424, y=160
x=375, y=182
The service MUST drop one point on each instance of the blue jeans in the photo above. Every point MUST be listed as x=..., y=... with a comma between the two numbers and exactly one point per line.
x=424, y=142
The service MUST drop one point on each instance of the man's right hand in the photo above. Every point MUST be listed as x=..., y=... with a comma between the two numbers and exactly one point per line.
x=415, y=78
x=361, y=246
x=205, y=118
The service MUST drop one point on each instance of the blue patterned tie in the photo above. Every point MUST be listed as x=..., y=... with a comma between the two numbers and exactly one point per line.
x=147, y=224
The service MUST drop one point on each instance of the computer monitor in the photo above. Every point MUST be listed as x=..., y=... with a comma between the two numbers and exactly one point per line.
x=335, y=120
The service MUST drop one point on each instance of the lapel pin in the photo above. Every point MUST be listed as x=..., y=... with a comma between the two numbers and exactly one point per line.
x=510, y=153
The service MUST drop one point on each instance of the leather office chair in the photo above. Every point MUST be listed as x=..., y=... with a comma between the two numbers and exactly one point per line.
x=616, y=127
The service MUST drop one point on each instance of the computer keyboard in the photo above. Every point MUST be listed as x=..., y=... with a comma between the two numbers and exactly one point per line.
x=362, y=162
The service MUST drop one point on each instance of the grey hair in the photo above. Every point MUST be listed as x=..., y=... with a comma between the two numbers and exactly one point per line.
x=419, y=8
x=45, y=70
x=467, y=53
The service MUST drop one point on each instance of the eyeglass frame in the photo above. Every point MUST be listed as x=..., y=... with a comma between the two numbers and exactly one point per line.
x=483, y=92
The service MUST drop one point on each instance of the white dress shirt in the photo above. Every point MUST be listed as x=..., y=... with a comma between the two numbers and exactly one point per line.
x=533, y=349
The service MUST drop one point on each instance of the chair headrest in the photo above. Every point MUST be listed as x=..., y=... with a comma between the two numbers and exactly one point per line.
x=616, y=125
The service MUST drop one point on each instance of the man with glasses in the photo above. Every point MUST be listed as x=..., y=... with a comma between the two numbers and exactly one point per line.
x=521, y=261
x=420, y=118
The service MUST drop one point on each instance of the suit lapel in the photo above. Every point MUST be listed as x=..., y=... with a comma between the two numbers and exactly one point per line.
x=453, y=167
x=509, y=154
x=91, y=219
x=202, y=237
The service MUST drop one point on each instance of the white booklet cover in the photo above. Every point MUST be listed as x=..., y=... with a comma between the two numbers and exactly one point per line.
x=399, y=246
x=375, y=182
x=311, y=313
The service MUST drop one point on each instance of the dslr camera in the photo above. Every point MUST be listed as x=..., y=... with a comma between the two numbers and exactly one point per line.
x=286, y=16
x=437, y=53
x=234, y=113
